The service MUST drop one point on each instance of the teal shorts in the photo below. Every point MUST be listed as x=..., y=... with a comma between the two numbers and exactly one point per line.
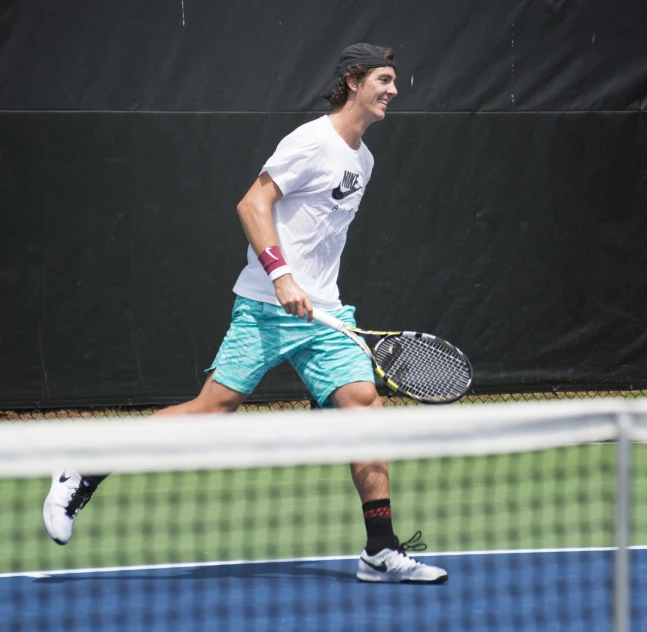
x=262, y=335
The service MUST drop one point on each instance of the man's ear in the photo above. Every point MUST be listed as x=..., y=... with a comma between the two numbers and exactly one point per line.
x=353, y=83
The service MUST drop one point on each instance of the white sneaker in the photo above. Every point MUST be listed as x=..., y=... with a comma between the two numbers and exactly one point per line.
x=394, y=565
x=69, y=493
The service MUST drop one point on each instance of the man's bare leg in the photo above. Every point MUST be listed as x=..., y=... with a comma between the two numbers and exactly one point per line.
x=371, y=479
x=213, y=398
x=381, y=560
x=70, y=491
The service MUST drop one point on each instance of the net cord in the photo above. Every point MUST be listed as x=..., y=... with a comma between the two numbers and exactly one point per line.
x=193, y=442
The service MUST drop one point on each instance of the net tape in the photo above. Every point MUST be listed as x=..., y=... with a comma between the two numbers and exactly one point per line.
x=193, y=442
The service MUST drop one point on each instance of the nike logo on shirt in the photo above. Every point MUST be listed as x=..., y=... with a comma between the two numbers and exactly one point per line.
x=349, y=181
x=338, y=194
x=380, y=568
x=62, y=478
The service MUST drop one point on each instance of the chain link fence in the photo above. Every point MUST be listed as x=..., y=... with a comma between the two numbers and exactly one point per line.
x=101, y=412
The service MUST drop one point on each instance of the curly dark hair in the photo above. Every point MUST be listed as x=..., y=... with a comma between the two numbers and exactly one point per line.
x=339, y=95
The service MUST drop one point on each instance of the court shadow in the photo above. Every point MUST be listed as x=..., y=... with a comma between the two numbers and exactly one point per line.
x=274, y=571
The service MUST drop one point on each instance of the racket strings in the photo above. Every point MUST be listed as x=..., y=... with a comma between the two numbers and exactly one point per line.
x=430, y=370
x=424, y=366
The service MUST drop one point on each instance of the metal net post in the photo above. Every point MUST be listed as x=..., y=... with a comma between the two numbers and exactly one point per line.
x=621, y=585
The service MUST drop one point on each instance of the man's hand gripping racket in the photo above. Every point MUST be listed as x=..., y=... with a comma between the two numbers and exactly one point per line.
x=419, y=366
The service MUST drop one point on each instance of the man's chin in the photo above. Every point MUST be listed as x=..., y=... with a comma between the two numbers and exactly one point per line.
x=379, y=113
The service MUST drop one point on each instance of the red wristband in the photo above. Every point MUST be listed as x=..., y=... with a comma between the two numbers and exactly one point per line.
x=274, y=262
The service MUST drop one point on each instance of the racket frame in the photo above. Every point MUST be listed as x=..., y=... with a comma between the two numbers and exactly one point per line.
x=355, y=334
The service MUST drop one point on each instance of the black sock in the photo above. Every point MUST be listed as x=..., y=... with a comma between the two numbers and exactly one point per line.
x=379, y=529
x=95, y=479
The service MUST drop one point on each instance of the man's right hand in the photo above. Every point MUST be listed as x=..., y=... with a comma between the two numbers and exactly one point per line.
x=292, y=298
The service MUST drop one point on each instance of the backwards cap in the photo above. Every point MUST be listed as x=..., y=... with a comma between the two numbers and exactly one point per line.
x=365, y=55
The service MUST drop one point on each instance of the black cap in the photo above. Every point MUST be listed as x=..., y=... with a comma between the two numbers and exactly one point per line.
x=365, y=55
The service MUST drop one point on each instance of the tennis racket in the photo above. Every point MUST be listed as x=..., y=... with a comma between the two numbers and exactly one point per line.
x=420, y=366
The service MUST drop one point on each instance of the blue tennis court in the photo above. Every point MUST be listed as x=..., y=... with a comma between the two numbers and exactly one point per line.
x=547, y=591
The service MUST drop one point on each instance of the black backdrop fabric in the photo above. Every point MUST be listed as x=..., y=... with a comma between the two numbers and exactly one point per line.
x=505, y=212
x=251, y=56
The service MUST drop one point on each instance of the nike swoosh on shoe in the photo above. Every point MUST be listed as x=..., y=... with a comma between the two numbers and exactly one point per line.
x=380, y=568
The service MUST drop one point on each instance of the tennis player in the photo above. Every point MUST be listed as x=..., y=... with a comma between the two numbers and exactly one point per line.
x=296, y=216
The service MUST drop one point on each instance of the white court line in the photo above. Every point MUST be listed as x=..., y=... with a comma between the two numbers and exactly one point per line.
x=152, y=567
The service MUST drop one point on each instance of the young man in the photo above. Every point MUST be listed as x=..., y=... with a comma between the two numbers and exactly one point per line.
x=296, y=216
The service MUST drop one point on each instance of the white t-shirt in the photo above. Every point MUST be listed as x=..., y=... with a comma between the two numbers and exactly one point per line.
x=322, y=180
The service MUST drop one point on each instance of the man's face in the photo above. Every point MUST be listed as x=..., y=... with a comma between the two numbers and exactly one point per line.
x=376, y=91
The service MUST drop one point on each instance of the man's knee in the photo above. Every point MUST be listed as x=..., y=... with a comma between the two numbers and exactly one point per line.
x=218, y=398
x=356, y=395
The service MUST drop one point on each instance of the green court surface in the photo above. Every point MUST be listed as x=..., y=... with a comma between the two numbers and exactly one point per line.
x=559, y=498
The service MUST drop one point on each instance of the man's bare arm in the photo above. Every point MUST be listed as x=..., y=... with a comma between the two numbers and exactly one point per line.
x=255, y=212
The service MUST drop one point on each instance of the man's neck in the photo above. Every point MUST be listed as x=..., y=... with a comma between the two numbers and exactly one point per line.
x=348, y=126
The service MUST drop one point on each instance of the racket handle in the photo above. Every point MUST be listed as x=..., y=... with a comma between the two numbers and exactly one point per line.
x=326, y=319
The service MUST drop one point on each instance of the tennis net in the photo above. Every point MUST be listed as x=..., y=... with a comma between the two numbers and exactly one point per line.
x=252, y=522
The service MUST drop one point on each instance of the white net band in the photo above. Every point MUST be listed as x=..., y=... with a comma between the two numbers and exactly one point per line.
x=31, y=449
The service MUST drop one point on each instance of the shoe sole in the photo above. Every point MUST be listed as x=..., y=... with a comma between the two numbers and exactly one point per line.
x=392, y=580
